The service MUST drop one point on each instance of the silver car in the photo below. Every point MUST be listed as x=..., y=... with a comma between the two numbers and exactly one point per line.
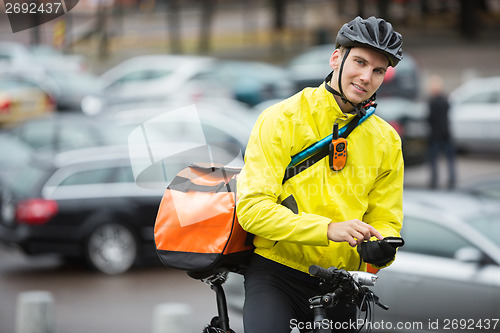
x=475, y=115
x=485, y=187
x=446, y=277
x=448, y=272
x=151, y=78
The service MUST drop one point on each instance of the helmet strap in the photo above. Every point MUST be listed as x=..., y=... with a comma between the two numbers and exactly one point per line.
x=358, y=108
x=342, y=95
x=360, y=111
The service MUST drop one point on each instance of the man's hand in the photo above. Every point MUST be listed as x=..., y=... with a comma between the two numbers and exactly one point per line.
x=380, y=253
x=354, y=232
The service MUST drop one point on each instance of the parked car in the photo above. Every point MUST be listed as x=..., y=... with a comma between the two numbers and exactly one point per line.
x=72, y=87
x=22, y=99
x=86, y=204
x=475, y=115
x=221, y=122
x=13, y=154
x=310, y=68
x=59, y=132
x=409, y=119
x=449, y=268
x=54, y=59
x=152, y=78
x=250, y=82
x=19, y=54
x=66, y=84
x=66, y=77
x=486, y=187
x=160, y=77
x=224, y=123
x=11, y=52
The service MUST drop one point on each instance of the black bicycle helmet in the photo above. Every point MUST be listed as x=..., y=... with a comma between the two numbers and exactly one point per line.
x=374, y=33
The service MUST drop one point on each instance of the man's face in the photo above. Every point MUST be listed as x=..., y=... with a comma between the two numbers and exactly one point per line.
x=362, y=75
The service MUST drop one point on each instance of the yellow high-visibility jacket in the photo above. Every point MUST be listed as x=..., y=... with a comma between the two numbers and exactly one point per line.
x=369, y=188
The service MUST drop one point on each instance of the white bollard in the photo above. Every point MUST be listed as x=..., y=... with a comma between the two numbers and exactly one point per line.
x=35, y=312
x=173, y=318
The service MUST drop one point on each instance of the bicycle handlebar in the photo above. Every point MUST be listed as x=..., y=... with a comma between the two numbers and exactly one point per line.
x=322, y=273
x=334, y=274
x=351, y=286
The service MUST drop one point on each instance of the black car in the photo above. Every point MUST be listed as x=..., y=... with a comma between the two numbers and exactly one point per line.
x=86, y=204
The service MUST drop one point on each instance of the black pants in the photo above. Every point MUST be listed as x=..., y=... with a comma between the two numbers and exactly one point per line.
x=276, y=300
x=446, y=147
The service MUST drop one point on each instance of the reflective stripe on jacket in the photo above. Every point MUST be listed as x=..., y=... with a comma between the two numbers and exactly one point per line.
x=369, y=188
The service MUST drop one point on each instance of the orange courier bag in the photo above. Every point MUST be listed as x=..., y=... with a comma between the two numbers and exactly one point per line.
x=196, y=228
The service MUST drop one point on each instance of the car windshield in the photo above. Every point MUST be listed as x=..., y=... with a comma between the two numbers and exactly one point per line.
x=69, y=80
x=489, y=226
x=316, y=56
x=482, y=97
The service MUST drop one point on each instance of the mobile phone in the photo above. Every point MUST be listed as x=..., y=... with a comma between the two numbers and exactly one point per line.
x=394, y=241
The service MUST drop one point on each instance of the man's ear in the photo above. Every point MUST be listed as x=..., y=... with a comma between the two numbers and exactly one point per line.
x=335, y=59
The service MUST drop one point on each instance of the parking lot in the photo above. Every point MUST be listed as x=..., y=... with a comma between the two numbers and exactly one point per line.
x=88, y=301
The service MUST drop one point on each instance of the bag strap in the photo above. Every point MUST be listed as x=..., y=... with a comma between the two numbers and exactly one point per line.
x=316, y=152
x=185, y=185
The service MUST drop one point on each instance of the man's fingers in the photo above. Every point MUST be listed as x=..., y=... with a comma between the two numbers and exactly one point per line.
x=354, y=232
x=370, y=231
x=352, y=241
x=367, y=232
x=360, y=234
x=376, y=233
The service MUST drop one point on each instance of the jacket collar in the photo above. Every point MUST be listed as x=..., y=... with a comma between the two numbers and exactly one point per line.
x=334, y=109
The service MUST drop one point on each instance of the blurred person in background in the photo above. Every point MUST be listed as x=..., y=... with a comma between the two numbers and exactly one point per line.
x=440, y=139
x=322, y=216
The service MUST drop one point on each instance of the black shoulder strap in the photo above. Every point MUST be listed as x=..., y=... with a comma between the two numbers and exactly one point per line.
x=350, y=127
x=290, y=172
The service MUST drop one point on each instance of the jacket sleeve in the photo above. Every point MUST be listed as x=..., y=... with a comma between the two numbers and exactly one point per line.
x=385, y=208
x=260, y=186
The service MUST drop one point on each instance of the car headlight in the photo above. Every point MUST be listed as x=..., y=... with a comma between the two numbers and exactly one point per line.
x=91, y=105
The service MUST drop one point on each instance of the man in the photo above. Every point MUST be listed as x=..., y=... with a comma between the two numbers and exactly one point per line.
x=321, y=215
x=440, y=139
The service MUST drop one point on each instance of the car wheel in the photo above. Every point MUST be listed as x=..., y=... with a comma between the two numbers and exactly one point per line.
x=111, y=248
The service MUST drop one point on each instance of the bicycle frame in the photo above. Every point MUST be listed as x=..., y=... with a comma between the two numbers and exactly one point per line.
x=220, y=323
x=351, y=285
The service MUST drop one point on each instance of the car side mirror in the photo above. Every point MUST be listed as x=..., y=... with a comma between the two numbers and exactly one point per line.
x=469, y=255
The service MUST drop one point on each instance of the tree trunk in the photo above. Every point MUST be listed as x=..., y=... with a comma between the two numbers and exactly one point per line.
x=469, y=19
x=207, y=11
x=173, y=25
